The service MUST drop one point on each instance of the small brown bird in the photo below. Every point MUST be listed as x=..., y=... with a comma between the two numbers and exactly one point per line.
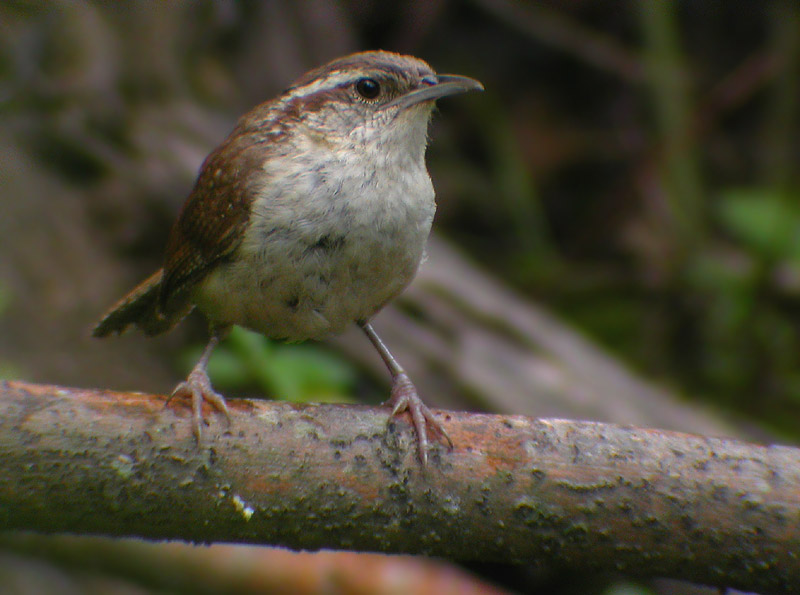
x=312, y=215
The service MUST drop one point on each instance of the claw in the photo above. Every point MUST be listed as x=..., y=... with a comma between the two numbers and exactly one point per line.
x=197, y=387
x=404, y=397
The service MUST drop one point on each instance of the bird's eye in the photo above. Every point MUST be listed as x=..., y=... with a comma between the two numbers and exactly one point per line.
x=368, y=88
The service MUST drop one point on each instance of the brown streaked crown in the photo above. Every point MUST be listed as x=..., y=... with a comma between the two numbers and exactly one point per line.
x=376, y=62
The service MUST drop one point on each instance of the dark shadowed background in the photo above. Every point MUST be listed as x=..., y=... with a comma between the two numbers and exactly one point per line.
x=632, y=168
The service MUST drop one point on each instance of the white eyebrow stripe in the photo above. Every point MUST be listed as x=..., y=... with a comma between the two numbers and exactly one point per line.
x=331, y=81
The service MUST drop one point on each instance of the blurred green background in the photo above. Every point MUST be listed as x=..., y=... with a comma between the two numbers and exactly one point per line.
x=632, y=166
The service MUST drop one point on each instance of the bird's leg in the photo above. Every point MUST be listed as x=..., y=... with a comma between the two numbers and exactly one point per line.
x=404, y=396
x=197, y=387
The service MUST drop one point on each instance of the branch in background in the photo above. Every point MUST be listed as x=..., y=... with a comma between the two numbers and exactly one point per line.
x=669, y=87
x=222, y=568
x=468, y=339
x=553, y=493
x=551, y=28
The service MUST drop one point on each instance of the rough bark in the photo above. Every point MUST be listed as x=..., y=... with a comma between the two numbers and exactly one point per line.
x=552, y=493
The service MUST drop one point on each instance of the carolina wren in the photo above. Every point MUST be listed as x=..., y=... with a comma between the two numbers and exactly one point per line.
x=313, y=214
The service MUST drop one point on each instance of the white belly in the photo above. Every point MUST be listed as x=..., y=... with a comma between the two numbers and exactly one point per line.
x=309, y=268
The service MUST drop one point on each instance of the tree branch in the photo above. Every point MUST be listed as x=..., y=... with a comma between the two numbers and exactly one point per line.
x=175, y=567
x=514, y=489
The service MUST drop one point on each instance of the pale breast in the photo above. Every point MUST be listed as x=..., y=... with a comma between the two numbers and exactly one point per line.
x=325, y=248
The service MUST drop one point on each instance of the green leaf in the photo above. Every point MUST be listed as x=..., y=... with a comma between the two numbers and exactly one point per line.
x=766, y=222
x=298, y=373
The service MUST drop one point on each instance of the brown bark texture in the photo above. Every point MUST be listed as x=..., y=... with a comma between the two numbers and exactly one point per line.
x=553, y=493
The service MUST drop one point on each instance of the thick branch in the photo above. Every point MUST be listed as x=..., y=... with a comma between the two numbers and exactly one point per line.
x=514, y=489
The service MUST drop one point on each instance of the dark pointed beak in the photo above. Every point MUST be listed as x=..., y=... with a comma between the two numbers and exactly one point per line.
x=436, y=87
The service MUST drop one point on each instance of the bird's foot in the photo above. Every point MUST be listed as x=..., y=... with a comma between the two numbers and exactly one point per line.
x=404, y=397
x=197, y=387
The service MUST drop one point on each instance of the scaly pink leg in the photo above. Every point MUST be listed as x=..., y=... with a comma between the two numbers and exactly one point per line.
x=197, y=387
x=404, y=396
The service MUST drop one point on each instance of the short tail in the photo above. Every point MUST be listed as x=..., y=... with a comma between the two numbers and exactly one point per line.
x=141, y=309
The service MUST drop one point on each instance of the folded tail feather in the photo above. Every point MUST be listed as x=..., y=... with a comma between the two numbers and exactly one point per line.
x=141, y=308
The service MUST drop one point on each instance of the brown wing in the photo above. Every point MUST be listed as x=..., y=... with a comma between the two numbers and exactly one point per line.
x=214, y=217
